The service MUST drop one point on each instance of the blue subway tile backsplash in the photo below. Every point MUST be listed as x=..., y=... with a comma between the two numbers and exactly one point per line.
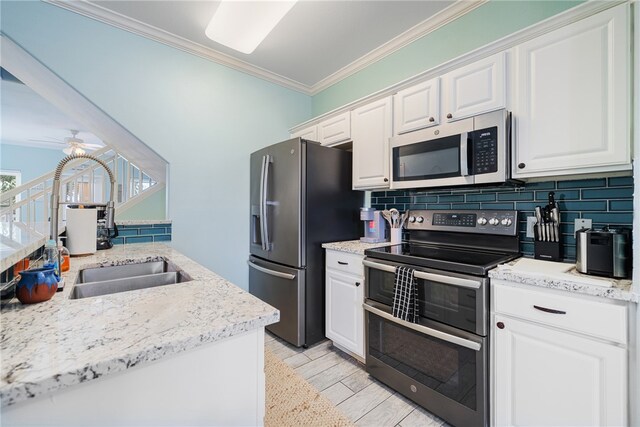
x=606, y=201
x=143, y=233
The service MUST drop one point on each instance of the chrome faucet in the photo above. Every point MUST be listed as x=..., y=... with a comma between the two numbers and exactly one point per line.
x=55, y=194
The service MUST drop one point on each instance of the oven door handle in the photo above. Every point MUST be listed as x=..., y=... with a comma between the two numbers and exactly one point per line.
x=424, y=330
x=456, y=281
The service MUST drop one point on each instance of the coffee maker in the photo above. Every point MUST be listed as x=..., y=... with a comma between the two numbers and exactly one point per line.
x=104, y=234
x=374, y=226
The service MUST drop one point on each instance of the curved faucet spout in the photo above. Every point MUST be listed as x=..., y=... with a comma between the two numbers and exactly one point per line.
x=55, y=193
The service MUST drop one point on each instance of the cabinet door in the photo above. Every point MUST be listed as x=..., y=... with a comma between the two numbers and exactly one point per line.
x=476, y=88
x=372, y=128
x=335, y=129
x=546, y=377
x=345, y=316
x=417, y=107
x=310, y=133
x=572, y=102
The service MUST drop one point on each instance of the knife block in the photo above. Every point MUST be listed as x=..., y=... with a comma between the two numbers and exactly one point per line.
x=548, y=251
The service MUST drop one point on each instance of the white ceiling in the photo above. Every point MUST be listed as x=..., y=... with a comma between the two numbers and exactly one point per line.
x=316, y=43
x=29, y=120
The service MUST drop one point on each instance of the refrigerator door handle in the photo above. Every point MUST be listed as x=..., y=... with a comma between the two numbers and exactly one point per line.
x=265, y=228
x=263, y=206
x=272, y=272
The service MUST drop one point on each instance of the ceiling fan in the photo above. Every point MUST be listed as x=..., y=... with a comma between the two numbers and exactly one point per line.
x=74, y=145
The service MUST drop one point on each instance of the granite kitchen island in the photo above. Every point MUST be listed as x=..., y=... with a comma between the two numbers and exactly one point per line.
x=189, y=353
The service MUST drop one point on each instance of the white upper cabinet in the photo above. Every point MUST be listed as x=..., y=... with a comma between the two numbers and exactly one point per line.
x=335, y=129
x=572, y=100
x=371, y=130
x=417, y=107
x=331, y=131
x=310, y=133
x=475, y=88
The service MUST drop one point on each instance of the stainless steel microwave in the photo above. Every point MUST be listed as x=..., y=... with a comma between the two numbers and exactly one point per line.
x=475, y=150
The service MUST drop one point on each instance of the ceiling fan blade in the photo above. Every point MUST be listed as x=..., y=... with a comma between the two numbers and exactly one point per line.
x=51, y=141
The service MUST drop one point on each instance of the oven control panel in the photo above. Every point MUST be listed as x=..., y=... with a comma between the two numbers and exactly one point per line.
x=500, y=222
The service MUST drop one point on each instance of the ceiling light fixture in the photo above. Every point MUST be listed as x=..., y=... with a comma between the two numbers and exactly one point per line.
x=243, y=25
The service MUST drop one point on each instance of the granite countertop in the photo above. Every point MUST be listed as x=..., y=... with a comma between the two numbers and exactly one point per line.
x=62, y=342
x=571, y=281
x=353, y=246
x=18, y=241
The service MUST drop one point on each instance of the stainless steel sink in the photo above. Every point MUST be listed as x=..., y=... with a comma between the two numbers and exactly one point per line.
x=94, y=282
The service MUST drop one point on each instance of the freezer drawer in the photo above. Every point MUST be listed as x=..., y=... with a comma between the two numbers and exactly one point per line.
x=284, y=288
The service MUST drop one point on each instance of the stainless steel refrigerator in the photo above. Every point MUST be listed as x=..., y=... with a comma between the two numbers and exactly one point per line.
x=301, y=197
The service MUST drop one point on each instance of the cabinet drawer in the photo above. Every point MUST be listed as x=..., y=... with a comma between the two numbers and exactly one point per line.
x=342, y=261
x=601, y=319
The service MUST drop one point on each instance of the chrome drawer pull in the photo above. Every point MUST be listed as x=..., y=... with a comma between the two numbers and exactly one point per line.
x=549, y=310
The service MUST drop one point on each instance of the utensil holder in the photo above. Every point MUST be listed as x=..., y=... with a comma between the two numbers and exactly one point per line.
x=396, y=236
x=548, y=251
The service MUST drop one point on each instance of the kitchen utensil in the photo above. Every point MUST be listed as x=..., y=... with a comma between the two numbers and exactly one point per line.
x=555, y=215
x=395, y=215
x=403, y=218
x=539, y=222
x=387, y=215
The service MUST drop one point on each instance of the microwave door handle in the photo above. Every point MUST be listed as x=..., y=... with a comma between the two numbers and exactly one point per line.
x=456, y=281
x=424, y=329
x=464, y=154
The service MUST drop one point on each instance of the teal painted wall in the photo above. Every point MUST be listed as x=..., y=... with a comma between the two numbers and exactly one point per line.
x=203, y=118
x=487, y=23
x=153, y=207
x=32, y=162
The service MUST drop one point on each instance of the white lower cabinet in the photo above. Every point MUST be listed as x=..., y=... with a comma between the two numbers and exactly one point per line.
x=547, y=375
x=344, y=297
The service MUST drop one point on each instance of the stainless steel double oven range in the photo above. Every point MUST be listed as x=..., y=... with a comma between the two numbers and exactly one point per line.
x=442, y=361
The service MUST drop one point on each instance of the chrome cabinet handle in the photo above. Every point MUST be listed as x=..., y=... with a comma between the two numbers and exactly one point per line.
x=549, y=310
x=425, y=330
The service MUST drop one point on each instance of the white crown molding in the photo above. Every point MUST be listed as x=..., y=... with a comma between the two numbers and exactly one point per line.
x=126, y=23
x=134, y=26
x=567, y=17
x=427, y=26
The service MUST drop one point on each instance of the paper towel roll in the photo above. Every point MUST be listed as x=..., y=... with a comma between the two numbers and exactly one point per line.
x=82, y=227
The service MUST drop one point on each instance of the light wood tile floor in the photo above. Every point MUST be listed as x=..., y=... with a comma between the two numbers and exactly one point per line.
x=343, y=380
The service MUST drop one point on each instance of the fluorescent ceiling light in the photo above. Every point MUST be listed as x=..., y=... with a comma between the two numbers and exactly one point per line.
x=243, y=25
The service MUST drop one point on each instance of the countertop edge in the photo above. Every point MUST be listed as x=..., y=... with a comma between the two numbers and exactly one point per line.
x=549, y=282
x=63, y=380
x=353, y=246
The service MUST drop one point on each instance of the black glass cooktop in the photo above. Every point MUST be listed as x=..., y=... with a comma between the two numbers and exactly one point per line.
x=459, y=260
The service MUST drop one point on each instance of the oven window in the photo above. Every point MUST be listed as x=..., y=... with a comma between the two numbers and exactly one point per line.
x=444, y=303
x=438, y=158
x=446, y=368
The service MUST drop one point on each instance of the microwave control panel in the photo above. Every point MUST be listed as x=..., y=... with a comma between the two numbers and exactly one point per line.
x=484, y=151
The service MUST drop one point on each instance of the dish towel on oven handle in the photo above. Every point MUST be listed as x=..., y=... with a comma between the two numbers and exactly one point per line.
x=405, y=295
